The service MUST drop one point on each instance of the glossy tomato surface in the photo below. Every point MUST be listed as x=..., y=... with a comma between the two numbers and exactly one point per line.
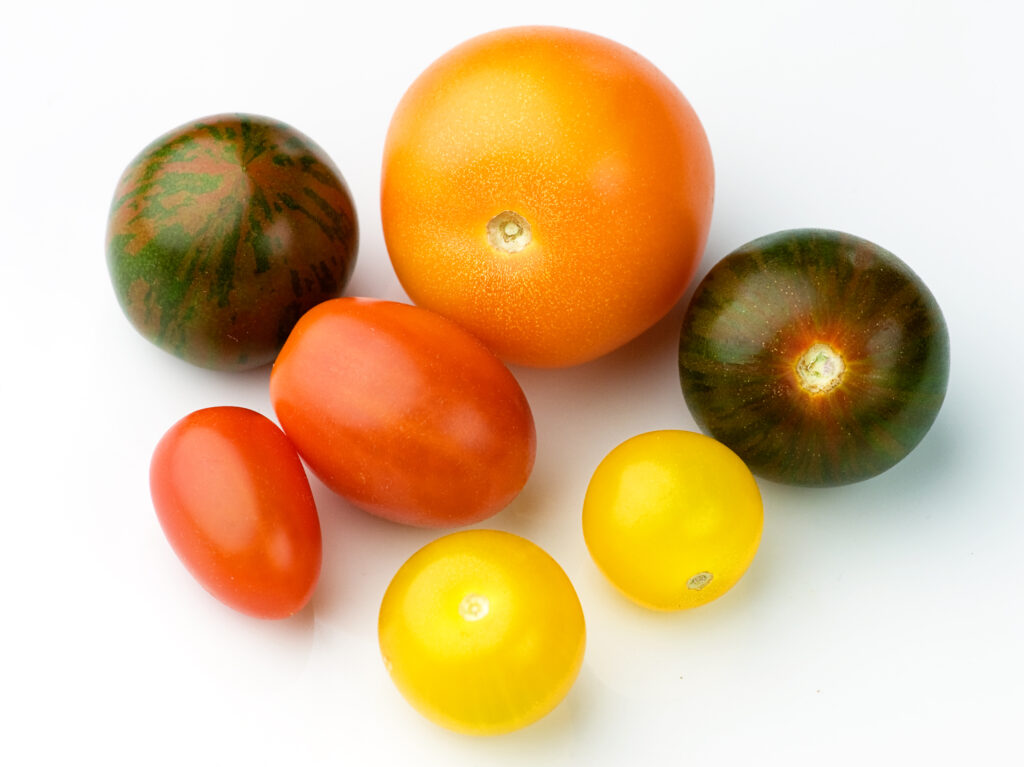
x=403, y=413
x=234, y=502
x=819, y=357
x=548, y=189
x=672, y=518
x=223, y=232
x=482, y=632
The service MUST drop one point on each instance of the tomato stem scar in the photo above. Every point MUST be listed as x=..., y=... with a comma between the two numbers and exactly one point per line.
x=473, y=607
x=509, y=232
x=820, y=369
x=699, y=581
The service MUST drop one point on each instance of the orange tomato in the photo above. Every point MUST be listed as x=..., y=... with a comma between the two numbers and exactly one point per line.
x=549, y=190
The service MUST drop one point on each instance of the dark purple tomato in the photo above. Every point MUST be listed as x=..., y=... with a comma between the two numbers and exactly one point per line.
x=818, y=357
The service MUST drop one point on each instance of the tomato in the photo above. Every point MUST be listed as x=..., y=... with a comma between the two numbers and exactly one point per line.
x=482, y=632
x=819, y=357
x=234, y=502
x=223, y=232
x=403, y=413
x=672, y=518
x=549, y=190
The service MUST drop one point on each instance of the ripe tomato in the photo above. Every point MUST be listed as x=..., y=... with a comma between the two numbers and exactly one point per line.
x=547, y=189
x=223, y=232
x=672, y=518
x=234, y=502
x=819, y=357
x=403, y=413
x=482, y=632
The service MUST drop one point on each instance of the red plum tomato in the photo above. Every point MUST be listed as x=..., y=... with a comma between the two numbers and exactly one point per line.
x=403, y=413
x=233, y=500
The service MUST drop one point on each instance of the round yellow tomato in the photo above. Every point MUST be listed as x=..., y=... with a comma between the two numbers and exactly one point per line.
x=482, y=632
x=672, y=518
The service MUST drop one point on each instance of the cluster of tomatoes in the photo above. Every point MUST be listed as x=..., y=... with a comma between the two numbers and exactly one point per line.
x=546, y=196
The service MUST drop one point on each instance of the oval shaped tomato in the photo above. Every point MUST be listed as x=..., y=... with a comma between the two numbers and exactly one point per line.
x=549, y=190
x=819, y=357
x=482, y=632
x=672, y=518
x=403, y=413
x=234, y=502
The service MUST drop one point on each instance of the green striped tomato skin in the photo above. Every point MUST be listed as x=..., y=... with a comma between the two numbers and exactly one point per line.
x=223, y=232
x=784, y=313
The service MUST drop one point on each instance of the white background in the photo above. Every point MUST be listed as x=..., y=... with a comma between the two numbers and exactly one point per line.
x=880, y=623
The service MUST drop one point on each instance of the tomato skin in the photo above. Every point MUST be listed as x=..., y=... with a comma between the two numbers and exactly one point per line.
x=593, y=146
x=235, y=504
x=764, y=306
x=672, y=518
x=482, y=632
x=403, y=413
x=211, y=256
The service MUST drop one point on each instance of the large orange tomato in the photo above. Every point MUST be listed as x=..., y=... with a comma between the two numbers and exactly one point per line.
x=403, y=412
x=548, y=189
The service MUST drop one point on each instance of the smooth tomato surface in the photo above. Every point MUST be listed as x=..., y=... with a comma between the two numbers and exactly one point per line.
x=482, y=632
x=819, y=357
x=403, y=413
x=672, y=518
x=234, y=502
x=548, y=189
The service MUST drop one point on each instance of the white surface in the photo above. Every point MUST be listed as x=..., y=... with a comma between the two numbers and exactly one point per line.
x=880, y=623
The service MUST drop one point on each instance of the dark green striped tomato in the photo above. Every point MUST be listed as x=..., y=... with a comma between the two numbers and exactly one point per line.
x=818, y=357
x=223, y=233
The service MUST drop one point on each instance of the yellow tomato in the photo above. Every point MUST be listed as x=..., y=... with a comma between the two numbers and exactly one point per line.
x=672, y=518
x=482, y=632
